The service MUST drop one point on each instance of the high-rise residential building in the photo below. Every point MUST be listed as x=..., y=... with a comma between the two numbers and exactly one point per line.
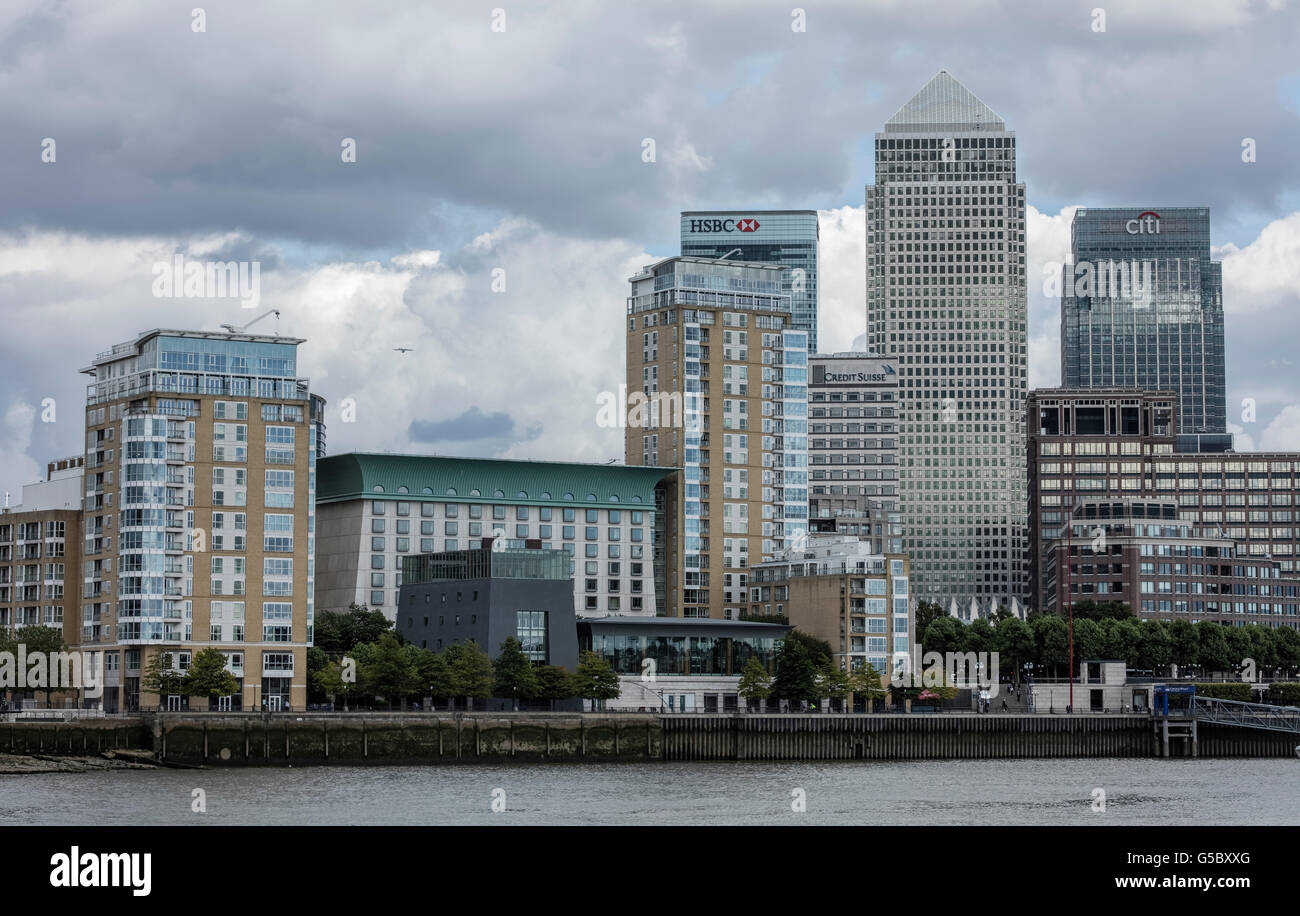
x=199, y=512
x=1096, y=453
x=946, y=299
x=1142, y=307
x=712, y=350
x=789, y=238
x=377, y=510
x=853, y=448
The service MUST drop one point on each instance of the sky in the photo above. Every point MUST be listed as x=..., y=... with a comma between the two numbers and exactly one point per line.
x=502, y=192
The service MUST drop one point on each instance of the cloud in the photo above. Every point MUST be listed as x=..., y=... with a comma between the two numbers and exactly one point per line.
x=16, y=438
x=1283, y=434
x=472, y=425
x=842, y=279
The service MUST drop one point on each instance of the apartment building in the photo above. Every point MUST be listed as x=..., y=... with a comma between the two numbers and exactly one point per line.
x=199, y=514
x=712, y=347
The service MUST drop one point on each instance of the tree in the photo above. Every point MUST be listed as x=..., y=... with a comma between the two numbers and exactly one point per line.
x=796, y=672
x=1156, y=648
x=513, y=674
x=433, y=672
x=317, y=660
x=334, y=680
x=1051, y=641
x=977, y=636
x=832, y=682
x=470, y=670
x=48, y=640
x=1263, y=647
x=754, y=681
x=1212, y=648
x=868, y=682
x=944, y=635
x=927, y=612
x=1014, y=642
x=161, y=678
x=1185, y=646
x=1089, y=640
x=208, y=676
x=819, y=650
x=339, y=632
x=1286, y=643
x=555, y=683
x=596, y=680
x=388, y=671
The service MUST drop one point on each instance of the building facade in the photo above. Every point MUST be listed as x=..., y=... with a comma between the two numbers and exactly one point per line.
x=789, y=238
x=680, y=664
x=199, y=515
x=945, y=264
x=1142, y=307
x=836, y=589
x=374, y=510
x=715, y=337
x=1112, y=446
x=487, y=596
x=853, y=448
x=1141, y=553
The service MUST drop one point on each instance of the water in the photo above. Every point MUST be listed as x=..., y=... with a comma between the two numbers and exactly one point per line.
x=996, y=792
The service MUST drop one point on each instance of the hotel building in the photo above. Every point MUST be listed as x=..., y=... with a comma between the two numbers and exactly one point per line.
x=945, y=263
x=375, y=511
x=198, y=528
x=711, y=344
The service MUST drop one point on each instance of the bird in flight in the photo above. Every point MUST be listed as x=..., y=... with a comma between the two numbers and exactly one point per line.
x=402, y=349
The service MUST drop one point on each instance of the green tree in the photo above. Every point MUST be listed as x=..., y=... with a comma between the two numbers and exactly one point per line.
x=945, y=634
x=868, y=683
x=754, y=682
x=596, y=680
x=1015, y=643
x=470, y=670
x=819, y=650
x=1051, y=642
x=1089, y=640
x=208, y=676
x=978, y=636
x=337, y=680
x=1185, y=646
x=1212, y=648
x=796, y=672
x=48, y=640
x=1157, y=646
x=927, y=612
x=513, y=674
x=387, y=670
x=1263, y=648
x=317, y=660
x=159, y=677
x=339, y=632
x=832, y=682
x=433, y=672
x=1286, y=643
x=555, y=683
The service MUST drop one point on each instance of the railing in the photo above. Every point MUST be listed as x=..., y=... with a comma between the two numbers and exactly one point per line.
x=1246, y=715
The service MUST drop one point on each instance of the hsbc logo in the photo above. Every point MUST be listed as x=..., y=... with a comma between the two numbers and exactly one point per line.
x=1146, y=223
x=748, y=224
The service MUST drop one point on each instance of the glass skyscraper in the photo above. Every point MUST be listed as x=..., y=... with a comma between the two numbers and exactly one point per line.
x=946, y=301
x=1142, y=307
x=785, y=237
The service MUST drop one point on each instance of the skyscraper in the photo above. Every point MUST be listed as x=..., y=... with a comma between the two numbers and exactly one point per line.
x=718, y=383
x=946, y=299
x=1142, y=307
x=788, y=238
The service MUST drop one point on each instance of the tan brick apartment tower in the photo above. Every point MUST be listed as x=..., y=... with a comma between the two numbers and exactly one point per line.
x=718, y=387
x=199, y=512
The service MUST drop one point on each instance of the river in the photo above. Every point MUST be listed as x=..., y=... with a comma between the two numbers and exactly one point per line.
x=993, y=792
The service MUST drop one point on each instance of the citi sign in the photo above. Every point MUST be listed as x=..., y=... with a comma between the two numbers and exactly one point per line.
x=1146, y=223
x=724, y=225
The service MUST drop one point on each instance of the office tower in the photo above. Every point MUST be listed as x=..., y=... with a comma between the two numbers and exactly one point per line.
x=946, y=300
x=720, y=378
x=1142, y=307
x=786, y=237
x=1108, y=458
x=376, y=510
x=853, y=448
x=200, y=511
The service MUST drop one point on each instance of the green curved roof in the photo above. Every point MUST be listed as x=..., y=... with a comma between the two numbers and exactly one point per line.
x=355, y=475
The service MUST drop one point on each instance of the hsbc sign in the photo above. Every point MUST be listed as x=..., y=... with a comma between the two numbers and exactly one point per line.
x=747, y=224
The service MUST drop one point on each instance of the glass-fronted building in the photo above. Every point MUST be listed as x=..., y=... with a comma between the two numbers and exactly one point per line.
x=1142, y=307
x=788, y=238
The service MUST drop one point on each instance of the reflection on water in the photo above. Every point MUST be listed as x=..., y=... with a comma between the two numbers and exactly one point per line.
x=1167, y=792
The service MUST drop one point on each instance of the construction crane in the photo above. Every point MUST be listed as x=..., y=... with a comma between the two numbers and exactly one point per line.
x=242, y=328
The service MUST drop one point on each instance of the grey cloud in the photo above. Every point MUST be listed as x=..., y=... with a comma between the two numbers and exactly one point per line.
x=471, y=426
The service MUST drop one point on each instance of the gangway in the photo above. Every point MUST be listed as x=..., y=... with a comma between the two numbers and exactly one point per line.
x=1246, y=715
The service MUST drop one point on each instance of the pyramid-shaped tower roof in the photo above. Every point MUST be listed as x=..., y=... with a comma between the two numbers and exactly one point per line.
x=944, y=104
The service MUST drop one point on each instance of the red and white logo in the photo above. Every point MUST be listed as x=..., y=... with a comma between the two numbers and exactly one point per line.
x=747, y=225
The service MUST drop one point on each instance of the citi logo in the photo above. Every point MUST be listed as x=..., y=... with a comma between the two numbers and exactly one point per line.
x=748, y=224
x=1146, y=223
